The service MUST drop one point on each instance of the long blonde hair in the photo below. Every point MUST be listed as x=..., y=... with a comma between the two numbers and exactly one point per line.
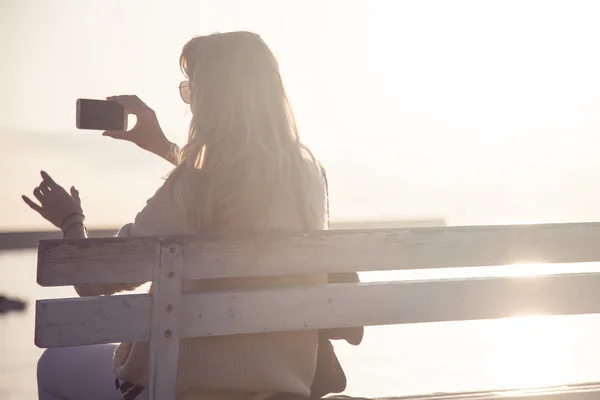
x=243, y=138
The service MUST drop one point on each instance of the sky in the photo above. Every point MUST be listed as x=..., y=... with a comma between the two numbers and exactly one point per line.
x=478, y=112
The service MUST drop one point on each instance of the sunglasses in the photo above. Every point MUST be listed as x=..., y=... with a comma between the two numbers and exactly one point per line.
x=185, y=92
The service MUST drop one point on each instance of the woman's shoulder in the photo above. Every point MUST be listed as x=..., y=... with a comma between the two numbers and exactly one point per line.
x=165, y=212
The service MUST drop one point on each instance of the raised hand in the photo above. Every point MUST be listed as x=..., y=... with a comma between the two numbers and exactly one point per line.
x=147, y=132
x=56, y=205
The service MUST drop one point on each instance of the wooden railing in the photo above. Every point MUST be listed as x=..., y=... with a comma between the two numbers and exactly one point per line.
x=167, y=315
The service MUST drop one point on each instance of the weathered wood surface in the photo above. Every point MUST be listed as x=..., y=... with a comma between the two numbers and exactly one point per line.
x=581, y=391
x=586, y=391
x=164, y=334
x=59, y=322
x=127, y=318
x=117, y=260
x=107, y=260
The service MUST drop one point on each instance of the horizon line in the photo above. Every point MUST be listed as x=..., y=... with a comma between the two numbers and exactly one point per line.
x=27, y=239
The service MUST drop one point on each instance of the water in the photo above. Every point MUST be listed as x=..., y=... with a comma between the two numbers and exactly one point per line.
x=408, y=359
x=116, y=178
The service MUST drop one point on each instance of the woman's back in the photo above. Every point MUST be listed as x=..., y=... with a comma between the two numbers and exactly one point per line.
x=243, y=170
x=270, y=362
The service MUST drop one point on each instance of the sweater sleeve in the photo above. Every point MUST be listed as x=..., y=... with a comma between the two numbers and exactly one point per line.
x=163, y=215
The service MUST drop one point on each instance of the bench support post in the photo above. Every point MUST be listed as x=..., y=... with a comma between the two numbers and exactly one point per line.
x=166, y=307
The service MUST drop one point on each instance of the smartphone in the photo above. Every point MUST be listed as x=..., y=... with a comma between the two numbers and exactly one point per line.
x=100, y=115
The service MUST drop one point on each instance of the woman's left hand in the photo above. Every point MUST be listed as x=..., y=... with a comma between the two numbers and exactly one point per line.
x=56, y=205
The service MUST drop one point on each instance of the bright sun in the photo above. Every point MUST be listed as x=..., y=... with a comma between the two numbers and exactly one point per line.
x=527, y=350
x=528, y=355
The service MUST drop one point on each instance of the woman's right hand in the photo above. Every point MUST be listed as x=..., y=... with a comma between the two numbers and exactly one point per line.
x=147, y=132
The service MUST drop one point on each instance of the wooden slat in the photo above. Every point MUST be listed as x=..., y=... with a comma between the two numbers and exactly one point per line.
x=102, y=320
x=419, y=248
x=586, y=391
x=166, y=311
x=106, y=260
x=92, y=320
x=322, y=252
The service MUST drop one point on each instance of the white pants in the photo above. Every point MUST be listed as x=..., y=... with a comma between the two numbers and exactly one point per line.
x=76, y=373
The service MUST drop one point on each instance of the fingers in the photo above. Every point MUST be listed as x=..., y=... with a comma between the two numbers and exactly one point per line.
x=132, y=104
x=51, y=185
x=75, y=195
x=44, y=188
x=38, y=194
x=48, y=181
x=32, y=204
x=116, y=134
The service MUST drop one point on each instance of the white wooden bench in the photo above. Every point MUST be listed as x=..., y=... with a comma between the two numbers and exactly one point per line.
x=166, y=315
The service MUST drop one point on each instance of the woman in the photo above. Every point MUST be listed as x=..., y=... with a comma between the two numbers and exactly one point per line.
x=242, y=169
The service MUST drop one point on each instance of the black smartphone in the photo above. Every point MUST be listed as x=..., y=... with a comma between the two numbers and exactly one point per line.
x=100, y=115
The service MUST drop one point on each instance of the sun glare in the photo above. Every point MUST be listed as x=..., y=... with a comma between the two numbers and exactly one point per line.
x=533, y=269
x=529, y=354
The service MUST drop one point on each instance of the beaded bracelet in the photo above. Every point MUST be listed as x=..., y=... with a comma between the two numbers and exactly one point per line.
x=72, y=225
x=69, y=216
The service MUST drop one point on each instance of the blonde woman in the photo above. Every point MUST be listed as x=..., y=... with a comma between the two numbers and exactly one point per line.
x=243, y=169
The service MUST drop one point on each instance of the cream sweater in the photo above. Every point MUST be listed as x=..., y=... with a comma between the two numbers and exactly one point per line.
x=237, y=364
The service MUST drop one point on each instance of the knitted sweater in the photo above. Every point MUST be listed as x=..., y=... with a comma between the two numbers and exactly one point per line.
x=236, y=364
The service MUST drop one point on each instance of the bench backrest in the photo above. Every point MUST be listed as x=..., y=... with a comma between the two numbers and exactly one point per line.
x=166, y=315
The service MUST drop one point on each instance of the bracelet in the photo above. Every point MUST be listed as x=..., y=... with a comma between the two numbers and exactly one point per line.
x=69, y=216
x=72, y=225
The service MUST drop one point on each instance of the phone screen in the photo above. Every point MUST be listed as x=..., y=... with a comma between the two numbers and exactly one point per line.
x=101, y=115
